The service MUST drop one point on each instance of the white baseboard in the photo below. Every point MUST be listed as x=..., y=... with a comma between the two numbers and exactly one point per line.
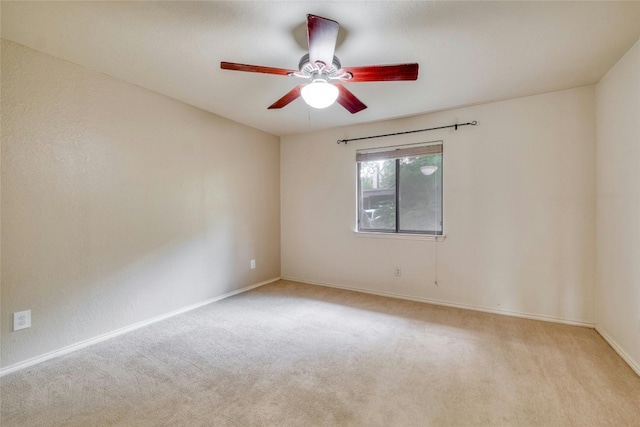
x=543, y=318
x=618, y=349
x=91, y=341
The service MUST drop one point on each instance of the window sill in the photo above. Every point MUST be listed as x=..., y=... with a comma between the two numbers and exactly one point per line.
x=400, y=236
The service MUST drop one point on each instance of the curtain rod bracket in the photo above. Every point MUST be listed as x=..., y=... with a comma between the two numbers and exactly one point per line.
x=455, y=126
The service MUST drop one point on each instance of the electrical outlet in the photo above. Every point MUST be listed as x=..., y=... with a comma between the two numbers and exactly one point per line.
x=398, y=272
x=21, y=320
x=253, y=264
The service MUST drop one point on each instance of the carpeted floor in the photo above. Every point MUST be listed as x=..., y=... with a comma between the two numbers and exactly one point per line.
x=289, y=354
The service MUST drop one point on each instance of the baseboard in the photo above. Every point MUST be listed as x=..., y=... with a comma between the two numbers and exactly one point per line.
x=450, y=304
x=91, y=341
x=618, y=349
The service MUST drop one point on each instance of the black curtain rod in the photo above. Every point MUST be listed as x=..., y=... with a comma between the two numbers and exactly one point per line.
x=456, y=126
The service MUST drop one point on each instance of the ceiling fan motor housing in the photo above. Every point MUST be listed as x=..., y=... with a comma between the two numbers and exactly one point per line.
x=317, y=71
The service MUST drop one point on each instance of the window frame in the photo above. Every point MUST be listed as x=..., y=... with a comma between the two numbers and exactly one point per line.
x=435, y=234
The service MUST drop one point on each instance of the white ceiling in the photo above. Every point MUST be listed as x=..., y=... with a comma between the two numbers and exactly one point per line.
x=469, y=52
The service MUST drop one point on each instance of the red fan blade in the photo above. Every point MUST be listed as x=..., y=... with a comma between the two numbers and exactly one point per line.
x=322, y=34
x=285, y=100
x=381, y=73
x=349, y=100
x=255, y=69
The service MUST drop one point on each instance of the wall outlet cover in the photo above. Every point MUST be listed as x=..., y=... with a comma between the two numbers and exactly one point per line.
x=21, y=320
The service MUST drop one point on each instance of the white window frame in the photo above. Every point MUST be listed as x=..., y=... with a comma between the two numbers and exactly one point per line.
x=398, y=152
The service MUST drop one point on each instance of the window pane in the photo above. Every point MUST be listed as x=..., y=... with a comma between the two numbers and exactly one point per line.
x=377, y=198
x=420, y=194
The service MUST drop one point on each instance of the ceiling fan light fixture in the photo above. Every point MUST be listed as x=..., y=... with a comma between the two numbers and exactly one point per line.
x=319, y=94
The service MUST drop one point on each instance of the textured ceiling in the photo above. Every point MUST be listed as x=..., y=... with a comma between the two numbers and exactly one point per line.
x=469, y=52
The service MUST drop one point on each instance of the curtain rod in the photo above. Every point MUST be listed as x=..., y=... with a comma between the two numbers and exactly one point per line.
x=456, y=126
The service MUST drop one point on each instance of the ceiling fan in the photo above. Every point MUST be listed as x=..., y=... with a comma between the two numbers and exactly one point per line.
x=325, y=73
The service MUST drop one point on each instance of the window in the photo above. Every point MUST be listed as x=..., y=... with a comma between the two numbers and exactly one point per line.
x=400, y=189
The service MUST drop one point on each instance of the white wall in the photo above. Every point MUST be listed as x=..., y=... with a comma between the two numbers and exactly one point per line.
x=618, y=206
x=119, y=204
x=519, y=210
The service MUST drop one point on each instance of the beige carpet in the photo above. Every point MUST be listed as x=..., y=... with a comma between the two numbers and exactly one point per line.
x=289, y=354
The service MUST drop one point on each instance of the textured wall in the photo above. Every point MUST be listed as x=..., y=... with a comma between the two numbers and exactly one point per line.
x=618, y=205
x=119, y=204
x=519, y=210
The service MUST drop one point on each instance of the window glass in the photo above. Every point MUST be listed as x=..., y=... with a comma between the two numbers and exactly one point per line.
x=420, y=194
x=378, y=195
x=400, y=190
